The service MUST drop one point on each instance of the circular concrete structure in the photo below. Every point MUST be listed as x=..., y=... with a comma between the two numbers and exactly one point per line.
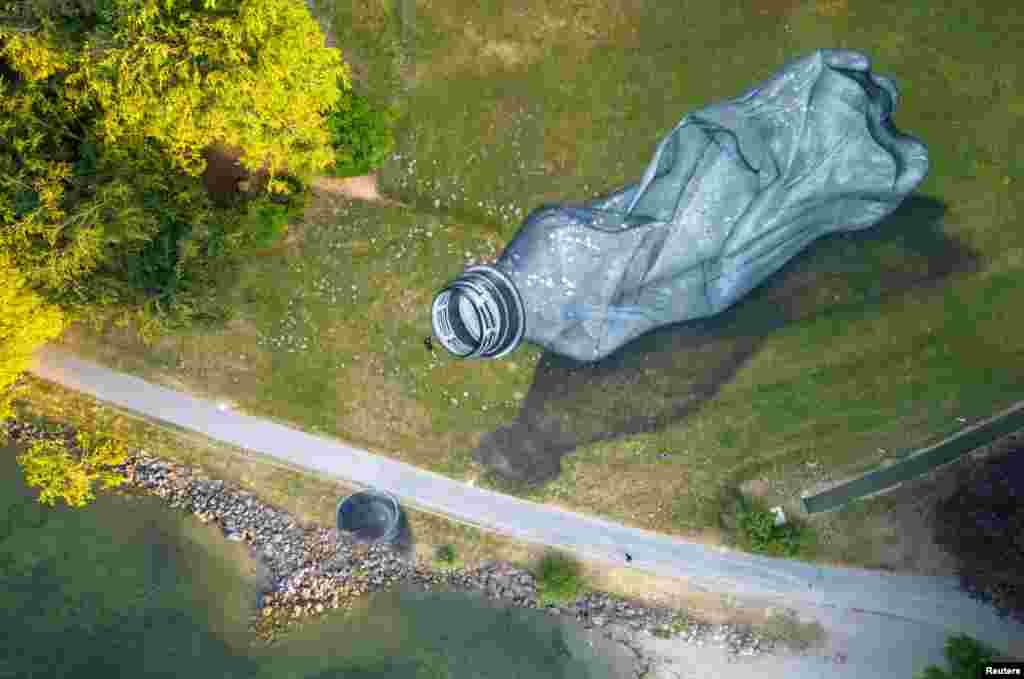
x=369, y=516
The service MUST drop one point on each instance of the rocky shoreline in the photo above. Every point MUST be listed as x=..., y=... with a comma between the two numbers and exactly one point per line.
x=311, y=569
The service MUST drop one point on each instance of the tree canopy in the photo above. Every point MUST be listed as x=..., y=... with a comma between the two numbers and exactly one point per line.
x=26, y=323
x=106, y=110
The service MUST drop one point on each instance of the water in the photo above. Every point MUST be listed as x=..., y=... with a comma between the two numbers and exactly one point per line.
x=128, y=587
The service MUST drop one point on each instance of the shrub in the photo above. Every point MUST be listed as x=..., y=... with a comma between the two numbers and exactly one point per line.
x=679, y=623
x=445, y=554
x=361, y=135
x=69, y=475
x=760, y=534
x=558, y=578
x=966, y=656
x=982, y=525
x=266, y=223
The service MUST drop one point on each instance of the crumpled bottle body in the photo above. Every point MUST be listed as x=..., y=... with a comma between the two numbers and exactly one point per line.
x=733, y=193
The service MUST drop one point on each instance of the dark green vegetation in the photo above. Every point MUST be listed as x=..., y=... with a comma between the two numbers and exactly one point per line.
x=558, y=578
x=361, y=135
x=967, y=658
x=445, y=554
x=866, y=343
x=758, y=532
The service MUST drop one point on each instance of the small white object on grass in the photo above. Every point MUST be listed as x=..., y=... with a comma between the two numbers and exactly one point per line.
x=780, y=517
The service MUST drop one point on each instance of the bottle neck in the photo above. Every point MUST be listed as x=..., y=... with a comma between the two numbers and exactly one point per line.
x=480, y=314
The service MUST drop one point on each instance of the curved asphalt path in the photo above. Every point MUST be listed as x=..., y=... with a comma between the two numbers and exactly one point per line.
x=885, y=624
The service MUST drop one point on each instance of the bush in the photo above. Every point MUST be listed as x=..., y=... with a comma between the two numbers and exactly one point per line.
x=760, y=534
x=266, y=223
x=966, y=656
x=445, y=554
x=267, y=216
x=558, y=578
x=70, y=474
x=362, y=136
x=982, y=525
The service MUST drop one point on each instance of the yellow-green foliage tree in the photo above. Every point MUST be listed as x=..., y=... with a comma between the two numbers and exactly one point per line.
x=106, y=107
x=174, y=76
x=186, y=74
x=62, y=474
x=113, y=118
x=26, y=322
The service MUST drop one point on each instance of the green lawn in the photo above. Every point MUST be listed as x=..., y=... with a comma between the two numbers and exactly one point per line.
x=866, y=343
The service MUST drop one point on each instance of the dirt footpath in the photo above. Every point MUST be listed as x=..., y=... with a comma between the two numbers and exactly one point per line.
x=355, y=188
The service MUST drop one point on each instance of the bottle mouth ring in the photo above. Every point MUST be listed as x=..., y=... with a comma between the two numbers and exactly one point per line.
x=479, y=314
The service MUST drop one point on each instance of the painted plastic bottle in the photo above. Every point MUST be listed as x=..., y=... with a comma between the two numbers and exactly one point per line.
x=735, y=191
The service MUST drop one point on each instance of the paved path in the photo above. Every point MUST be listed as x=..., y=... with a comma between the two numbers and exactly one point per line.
x=901, y=620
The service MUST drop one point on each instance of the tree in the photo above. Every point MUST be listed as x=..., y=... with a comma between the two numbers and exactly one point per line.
x=184, y=74
x=134, y=99
x=982, y=524
x=106, y=108
x=27, y=322
x=107, y=124
x=69, y=475
x=966, y=656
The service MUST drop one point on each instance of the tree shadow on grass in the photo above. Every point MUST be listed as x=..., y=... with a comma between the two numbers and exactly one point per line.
x=665, y=375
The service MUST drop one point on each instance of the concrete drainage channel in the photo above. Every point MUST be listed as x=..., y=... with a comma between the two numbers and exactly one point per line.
x=916, y=463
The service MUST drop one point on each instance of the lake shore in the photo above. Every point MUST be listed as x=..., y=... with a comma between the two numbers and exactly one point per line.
x=310, y=569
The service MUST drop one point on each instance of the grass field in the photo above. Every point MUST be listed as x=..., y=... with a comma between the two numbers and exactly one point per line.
x=864, y=344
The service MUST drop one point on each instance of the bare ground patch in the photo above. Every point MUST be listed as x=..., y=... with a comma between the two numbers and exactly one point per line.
x=776, y=8
x=363, y=187
x=523, y=35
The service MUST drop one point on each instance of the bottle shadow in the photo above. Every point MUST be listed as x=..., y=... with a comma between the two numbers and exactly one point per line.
x=666, y=375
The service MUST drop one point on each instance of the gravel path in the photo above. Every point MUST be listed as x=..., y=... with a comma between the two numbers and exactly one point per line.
x=875, y=621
